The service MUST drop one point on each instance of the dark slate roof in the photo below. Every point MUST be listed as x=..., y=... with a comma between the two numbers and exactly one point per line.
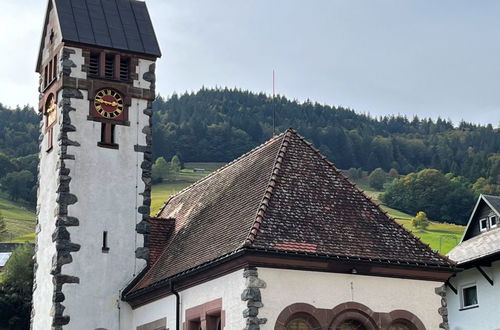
x=494, y=202
x=116, y=24
x=282, y=196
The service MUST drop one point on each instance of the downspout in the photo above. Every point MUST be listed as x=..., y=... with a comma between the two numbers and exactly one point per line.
x=177, y=305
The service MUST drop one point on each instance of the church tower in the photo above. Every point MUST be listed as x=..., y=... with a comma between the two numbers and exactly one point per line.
x=96, y=64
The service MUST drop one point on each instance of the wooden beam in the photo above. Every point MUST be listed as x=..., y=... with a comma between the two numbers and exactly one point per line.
x=485, y=275
x=452, y=288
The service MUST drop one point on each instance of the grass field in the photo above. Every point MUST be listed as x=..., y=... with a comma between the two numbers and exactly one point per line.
x=440, y=236
x=20, y=221
x=161, y=192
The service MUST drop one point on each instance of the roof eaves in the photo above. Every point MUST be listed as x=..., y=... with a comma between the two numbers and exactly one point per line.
x=450, y=265
x=269, y=191
x=485, y=198
x=131, y=292
x=480, y=198
x=46, y=21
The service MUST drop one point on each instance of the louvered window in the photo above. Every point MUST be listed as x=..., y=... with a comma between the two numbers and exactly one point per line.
x=94, y=64
x=124, y=68
x=109, y=66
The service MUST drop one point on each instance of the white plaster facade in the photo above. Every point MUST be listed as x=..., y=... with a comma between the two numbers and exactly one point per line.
x=107, y=183
x=286, y=287
x=327, y=290
x=486, y=315
x=46, y=205
x=228, y=287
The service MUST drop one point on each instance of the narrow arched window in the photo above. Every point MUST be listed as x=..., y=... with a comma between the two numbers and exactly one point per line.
x=401, y=325
x=351, y=325
x=298, y=324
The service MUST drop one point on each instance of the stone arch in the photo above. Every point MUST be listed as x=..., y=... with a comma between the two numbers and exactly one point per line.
x=352, y=311
x=299, y=310
x=407, y=318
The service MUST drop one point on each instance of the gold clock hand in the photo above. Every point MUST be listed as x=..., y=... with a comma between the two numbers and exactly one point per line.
x=113, y=104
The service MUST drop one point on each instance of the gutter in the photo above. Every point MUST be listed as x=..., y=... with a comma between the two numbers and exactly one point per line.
x=177, y=305
x=195, y=270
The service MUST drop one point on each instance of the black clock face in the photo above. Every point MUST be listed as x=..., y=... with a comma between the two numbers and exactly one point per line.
x=108, y=103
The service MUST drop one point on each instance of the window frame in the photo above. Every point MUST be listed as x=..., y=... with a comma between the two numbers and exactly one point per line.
x=491, y=223
x=462, y=296
x=485, y=228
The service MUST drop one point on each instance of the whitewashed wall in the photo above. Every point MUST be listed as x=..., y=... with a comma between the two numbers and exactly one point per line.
x=107, y=183
x=487, y=315
x=46, y=203
x=327, y=290
x=228, y=287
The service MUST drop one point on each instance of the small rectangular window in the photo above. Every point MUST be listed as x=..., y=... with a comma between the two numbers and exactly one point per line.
x=124, y=68
x=45, y=76
x=194, y=324
x=483, y=224
x=108, y=136
x=493, y=221
x=50, y=139
x=469, y=296
x=94, y=64
x=109, y=66
x=54, y=69
x=105, y=247
x=50, y=72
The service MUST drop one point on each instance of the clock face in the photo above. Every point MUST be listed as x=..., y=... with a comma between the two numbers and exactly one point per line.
x=108, y=103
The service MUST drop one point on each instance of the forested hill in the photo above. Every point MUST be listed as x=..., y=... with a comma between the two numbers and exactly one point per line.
x=218, y=125
x=221, y=124
x=19, y=130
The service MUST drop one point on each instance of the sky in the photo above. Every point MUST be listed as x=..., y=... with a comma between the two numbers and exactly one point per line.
x=423, y=57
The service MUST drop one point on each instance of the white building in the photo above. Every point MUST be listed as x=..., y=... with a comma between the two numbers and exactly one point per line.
x=278, y=239
x=473, y=294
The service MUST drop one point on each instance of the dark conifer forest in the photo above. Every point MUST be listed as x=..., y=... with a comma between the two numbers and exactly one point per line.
x=215, y=125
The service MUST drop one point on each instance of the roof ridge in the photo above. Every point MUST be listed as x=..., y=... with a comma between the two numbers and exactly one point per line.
x=269, y=190
x=370, y=200
x=217, y=171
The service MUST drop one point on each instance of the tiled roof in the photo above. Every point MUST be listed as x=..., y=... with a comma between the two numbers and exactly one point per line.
x=477, y=247
x=282, y=196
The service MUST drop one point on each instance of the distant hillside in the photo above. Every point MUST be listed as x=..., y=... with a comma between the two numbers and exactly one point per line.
x=221, y=124
x=218, y=125
x=19, y=130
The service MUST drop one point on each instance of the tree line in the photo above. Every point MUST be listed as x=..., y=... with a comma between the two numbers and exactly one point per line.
x=218, y=125
x=221, y=124
x=19, y=131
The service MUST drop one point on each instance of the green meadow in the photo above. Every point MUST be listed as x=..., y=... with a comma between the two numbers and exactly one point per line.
x=439, y=236
x=20, y=222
